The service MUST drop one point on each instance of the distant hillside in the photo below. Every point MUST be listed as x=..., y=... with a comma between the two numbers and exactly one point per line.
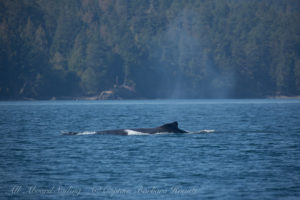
x=158, y=49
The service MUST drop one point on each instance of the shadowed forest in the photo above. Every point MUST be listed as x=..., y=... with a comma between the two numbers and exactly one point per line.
x=149, y=48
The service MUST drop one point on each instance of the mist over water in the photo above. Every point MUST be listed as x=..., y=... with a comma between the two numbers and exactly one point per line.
x=179, y=57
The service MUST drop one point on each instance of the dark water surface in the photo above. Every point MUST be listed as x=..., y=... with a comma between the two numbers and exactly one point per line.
x=253, y=153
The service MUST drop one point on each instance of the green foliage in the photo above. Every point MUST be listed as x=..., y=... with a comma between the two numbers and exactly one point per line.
x=162, y=49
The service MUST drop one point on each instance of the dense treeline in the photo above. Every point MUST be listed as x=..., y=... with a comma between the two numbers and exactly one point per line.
x=159, y=49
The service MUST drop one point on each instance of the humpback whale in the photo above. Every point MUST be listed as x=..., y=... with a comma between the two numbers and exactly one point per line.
x=166, y=128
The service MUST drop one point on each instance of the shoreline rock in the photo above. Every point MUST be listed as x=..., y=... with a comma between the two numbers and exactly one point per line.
x=118, y=92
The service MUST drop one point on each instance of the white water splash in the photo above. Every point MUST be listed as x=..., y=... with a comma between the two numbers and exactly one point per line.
x=202, y=131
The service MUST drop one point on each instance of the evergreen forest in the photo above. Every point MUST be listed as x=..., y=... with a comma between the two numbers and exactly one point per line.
x=149, y=48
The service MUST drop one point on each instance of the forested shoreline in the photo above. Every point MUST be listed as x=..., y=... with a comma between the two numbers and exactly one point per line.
x=116, y=49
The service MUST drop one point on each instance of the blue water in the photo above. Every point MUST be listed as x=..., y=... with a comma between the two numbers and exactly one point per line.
x=253, y=153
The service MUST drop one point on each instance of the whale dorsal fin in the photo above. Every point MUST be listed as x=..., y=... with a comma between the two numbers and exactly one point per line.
x=170, y=125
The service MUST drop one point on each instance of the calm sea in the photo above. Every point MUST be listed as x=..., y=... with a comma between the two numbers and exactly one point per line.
x=250, y=150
